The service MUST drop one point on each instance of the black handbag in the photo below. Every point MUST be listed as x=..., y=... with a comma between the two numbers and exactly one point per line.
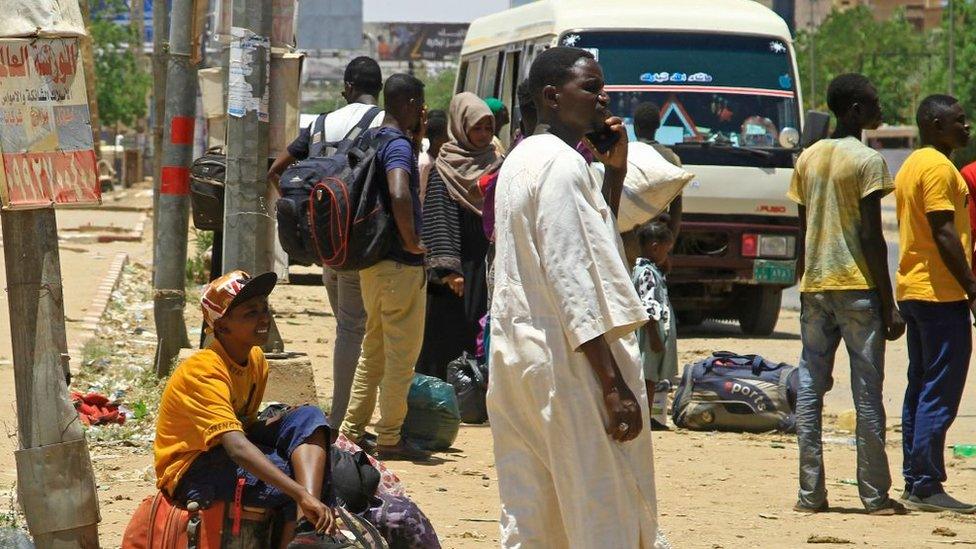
x=470, y=381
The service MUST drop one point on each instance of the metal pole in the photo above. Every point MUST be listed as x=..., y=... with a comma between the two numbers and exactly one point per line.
x=952, y=47
x=160, y=47
x=55, y=482
x=169, y=280
x=813, y=56
x=247, y=208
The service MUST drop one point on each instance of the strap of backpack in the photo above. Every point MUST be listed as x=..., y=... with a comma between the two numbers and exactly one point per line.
x=316, y=136
x=346, y=143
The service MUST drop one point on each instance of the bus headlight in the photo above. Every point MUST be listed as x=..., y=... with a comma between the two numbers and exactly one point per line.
x=768, y=245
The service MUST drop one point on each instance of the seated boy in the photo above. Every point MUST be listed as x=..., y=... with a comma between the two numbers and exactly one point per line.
x=208, y=440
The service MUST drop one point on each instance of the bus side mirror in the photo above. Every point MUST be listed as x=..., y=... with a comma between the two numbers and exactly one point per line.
x=817, y=127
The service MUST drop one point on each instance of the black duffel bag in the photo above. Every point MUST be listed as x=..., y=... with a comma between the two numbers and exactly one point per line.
x=207, y=176
x=470, y=381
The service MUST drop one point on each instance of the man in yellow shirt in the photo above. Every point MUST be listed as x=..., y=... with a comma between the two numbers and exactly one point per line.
x=209, y=444
x=845, y=292
x=936, y=293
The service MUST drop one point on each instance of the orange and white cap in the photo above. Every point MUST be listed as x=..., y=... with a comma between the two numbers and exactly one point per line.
x=222, y=294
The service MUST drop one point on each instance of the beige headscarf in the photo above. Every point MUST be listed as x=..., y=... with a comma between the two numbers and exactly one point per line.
x=459, y=163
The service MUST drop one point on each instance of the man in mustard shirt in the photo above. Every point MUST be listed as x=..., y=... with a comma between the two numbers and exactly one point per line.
x=209, y=444
x=936, y=292
x=846, y=292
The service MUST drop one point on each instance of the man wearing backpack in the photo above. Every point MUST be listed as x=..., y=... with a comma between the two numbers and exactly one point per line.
x=846, y=292
x=362, y=84
x=394, y=292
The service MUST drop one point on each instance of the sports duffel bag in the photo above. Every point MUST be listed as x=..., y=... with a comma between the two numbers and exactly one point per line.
x=741, y=393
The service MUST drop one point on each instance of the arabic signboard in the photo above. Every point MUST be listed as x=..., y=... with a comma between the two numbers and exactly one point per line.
x=48, y=156
x=417, y=41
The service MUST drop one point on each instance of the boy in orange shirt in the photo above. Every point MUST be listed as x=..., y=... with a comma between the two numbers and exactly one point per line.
x=209, y=443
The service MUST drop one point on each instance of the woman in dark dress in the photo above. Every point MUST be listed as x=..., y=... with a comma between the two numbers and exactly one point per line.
x=454, y=235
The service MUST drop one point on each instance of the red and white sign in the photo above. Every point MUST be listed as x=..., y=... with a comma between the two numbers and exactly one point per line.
x=48, y=155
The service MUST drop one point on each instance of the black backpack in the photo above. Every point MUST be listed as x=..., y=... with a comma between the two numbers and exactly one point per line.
x=326, y=160
x=207, y=176
x=739, y=393
x=352, y=223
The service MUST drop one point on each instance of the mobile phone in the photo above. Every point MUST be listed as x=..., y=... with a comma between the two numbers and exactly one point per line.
x=603, y=139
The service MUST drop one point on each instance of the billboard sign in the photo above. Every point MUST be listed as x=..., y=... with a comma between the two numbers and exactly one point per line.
x=48, y=155
x=416, y=41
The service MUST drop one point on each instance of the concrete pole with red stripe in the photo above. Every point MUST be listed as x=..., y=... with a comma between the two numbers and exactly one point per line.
x=248, y=208
x=169, y=278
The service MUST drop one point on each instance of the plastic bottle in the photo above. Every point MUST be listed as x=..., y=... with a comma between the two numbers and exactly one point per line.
x=964, y=450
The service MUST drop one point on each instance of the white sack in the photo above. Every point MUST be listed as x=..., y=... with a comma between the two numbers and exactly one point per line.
x=651, y=184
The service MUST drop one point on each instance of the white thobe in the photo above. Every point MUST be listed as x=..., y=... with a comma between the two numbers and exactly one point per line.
x=560, y=281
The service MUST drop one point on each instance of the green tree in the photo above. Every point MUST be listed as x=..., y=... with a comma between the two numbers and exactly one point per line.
x=893, y=54
x=439, y=89
x=964, y=82
x=122, y=81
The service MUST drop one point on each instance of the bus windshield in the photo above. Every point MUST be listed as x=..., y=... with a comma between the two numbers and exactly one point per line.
x=728, y=90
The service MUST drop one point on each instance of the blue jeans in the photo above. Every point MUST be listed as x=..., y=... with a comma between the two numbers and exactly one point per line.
x=826, y=318
x=939, y=347
x=213, y=475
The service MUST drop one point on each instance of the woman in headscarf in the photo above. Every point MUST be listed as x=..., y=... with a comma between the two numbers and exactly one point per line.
x=454, y=237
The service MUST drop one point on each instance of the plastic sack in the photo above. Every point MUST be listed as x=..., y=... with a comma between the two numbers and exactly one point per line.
x=433, y=418
x=470, y=381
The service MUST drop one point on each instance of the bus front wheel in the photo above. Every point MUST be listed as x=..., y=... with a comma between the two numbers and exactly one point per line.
x=759, y=309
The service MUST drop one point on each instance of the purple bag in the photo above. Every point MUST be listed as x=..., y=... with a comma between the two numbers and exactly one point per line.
x=402, y=524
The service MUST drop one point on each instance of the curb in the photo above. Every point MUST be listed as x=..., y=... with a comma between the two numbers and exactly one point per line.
x=134, y=235
x=89, y=324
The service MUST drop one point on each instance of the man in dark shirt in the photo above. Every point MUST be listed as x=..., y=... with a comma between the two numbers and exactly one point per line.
x=394, y=293
x=362, y=84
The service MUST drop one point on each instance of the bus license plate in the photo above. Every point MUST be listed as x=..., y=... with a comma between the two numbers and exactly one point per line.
x=774, y=272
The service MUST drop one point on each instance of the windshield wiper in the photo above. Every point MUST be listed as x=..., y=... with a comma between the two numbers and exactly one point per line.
x=728, y=147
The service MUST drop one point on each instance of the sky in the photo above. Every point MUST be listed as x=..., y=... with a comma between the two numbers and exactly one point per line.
x=434, y=11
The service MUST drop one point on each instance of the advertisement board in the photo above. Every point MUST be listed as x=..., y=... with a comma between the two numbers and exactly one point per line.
x=416, y=41
x=48, y=156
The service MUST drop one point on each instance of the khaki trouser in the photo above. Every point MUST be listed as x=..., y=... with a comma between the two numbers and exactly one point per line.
x=395, y=299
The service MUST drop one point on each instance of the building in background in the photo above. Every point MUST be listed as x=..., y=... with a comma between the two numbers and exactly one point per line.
x=923, y=14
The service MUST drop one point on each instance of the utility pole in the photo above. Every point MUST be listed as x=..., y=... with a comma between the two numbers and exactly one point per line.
x=55, y=481
x=160, y=49
x=169, y=257
x=952, y=47
x=247, y=210
x=88, y=61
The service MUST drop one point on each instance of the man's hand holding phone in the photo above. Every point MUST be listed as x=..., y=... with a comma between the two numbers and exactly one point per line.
x=609, y=145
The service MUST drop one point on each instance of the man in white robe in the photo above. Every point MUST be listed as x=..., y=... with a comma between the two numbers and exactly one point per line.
x=566, y=399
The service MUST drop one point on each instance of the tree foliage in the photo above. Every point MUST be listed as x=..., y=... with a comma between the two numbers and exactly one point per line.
x=122, y=80
x=894, y=55
x=964, y=83
x=905, y=65
x=439, y=89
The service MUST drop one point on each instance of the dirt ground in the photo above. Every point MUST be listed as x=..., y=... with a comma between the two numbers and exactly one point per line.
x=714, y=490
